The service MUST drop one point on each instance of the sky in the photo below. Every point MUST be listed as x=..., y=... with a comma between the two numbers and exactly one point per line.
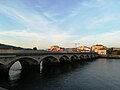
x=67, y=23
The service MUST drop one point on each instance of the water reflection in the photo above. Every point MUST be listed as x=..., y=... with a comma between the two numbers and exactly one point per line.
x=3, y=88
x=20, y=78
x=41, y=66
x=102, y=60
x=101, y=74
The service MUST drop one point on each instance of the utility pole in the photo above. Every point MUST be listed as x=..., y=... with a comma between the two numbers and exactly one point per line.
x=75, y=45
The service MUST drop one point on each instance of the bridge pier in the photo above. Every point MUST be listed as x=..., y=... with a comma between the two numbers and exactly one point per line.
x=4, y=75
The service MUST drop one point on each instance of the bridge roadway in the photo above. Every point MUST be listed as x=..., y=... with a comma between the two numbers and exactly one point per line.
x=37, y=58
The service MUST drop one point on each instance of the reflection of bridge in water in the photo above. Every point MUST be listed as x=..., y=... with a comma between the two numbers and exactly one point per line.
x=36, y=59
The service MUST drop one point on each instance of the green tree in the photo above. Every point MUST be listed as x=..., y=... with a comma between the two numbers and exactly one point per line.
x=118, y=52
x=110, y=50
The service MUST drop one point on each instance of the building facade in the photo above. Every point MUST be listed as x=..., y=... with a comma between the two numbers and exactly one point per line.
x=100, y=49
x=56, y=48
x=83, y=49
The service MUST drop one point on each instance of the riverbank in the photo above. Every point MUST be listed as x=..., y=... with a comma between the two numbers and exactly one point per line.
x=110, y=56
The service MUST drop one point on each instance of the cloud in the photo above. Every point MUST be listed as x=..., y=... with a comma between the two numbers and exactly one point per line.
x=95, y=3
x=110, y=39
x=32, y=20
x=48, y=13
x=84, y=5
x=40, y=28
x=29, y=38
x=95, y=22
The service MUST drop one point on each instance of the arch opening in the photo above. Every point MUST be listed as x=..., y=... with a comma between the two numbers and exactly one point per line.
x=15, y=71
x=74, y=58
x=49, y=61
x=64, y=59
x=82, y=57
x=21, y=66
x=26, y=63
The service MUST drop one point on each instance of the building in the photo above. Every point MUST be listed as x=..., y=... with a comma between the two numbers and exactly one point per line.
x=100, y=49
x=83, y=49
x=70, y=50
x=56, y=48
x=114, y=48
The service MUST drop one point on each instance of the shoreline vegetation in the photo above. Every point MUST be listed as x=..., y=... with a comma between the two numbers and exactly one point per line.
x=110, y=56
x=113, y=56
x=113, y=53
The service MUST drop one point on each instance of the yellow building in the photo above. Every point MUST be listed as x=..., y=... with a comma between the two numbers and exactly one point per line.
x=98, y=48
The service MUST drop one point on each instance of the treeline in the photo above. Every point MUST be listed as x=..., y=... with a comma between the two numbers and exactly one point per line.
x=6, y=47
x=113, y=51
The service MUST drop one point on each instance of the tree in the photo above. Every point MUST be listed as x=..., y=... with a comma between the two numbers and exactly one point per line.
x=34, y=48
x=110, y=50
x=118, y=52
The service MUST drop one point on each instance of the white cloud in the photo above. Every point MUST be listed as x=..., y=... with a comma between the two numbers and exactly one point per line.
x=42, y=40
x=110, y=39
x=41, y=29
x=32, y=20
x=95, y=3
x=94, y=22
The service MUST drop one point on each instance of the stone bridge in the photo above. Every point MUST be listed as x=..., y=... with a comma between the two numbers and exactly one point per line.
x=31, y=59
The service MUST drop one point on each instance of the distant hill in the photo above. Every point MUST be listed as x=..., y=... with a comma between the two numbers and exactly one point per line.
x=5, y=47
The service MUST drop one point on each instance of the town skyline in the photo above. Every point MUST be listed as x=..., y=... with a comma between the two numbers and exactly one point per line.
x=76, y=45
x=42, y=23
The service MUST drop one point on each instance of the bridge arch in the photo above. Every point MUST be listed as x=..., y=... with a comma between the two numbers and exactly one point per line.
x=74, y=58
x=64, y=59
x=49, y=60
x=81, y=56
x=26, y=62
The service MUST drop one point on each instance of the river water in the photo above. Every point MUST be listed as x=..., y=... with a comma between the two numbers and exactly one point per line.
x=100, y=74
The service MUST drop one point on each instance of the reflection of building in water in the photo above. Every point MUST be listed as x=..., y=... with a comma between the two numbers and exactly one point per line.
x=102, y=60
x=98, y=48
x=56, y=48
x=83, y=49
